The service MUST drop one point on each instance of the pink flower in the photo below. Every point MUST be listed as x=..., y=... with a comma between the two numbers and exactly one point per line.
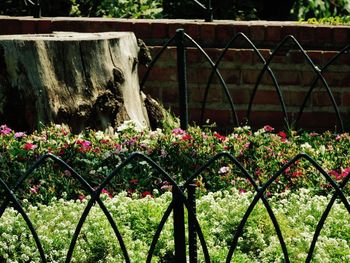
x=178, y=131
x=104, y=191
x=4, y=129
x=19, y=135
x=224, y=170
x=29, y=146
x=268, y=128
x=34, y=189
x=81, y=197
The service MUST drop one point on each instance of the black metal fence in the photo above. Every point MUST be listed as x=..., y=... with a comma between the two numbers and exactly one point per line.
x=183, y=196
x=182, y=41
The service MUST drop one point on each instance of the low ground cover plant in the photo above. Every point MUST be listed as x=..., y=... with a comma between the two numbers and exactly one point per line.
x=219, y=214
x=95, y=154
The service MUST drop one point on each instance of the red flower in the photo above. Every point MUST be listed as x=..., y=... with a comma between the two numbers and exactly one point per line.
x=146, y=193
x=268, y=128
x=134, y=181
x=186, y=137
x=220, y=137
x=104, y=191
x=29, y=146
x=297, y=173
x=283, y=136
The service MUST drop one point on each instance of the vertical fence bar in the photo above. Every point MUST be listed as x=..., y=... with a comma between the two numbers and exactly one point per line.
x=192, y=235
x=179, y=228
x=209, y=17
x=37, y=9
x=181, y=77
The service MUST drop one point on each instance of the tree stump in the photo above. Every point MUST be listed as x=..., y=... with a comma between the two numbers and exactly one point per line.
x=81, y=79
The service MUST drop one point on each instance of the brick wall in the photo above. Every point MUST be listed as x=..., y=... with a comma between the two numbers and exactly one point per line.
x=240, y=67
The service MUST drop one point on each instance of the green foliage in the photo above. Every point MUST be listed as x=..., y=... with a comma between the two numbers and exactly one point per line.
x=95, y=154
x=320, y=9
x=118, y=9
x=218, y=213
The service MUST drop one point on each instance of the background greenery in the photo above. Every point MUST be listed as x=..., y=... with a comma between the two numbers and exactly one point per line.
x=223, y=9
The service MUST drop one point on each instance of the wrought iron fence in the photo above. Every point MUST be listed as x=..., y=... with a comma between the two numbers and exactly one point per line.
x=182, y=197
x=182, y=41
x=35, y=7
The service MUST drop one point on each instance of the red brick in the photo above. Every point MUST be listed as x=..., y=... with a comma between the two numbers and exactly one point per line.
x=250, y=76
x=207, y=32
x=319, y=121
x=242, y=29
x=337, y=79
x=214, y=94
x=170, y=95
x=260, y=118
x=10, y=26
x=265, y=53
x=294, y=98
x=220, y=117
x=266, y=97
x=28, y=26
x=341, y=35
x=316, y=57
x=257, y=33
x=224, y=33
x=346, y=99
x=162, y=74
x=44, y=26
x=273, y=33
x=125, y=26
x=240, y=96
x=143, y=30
x=324, y=34
x=243, y=56
x=321, y=98
x=307, y=35
x=192, y=29
x=296, y=57
x=230, y=76
x=290, y=30
x=159, y=30
x=287, y=77
x=173, y=27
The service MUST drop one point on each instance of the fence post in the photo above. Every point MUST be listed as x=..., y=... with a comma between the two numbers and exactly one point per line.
x=37, y=9
x=209, y=17
x=192, y=234
x=179, y=227
x=181, y=77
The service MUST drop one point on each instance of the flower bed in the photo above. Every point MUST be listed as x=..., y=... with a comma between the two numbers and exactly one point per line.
x=94, y=154
x=218, y=213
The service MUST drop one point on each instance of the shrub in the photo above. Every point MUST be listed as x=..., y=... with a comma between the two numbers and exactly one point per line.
x=95, y=154
x=219, y=214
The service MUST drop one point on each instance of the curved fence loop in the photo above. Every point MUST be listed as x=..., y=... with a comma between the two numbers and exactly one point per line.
x=256, y=187
x=19, y=208
x=315, y=80
x=262, y=60
x=310, y=62
x=216, y=71
x=150, y=66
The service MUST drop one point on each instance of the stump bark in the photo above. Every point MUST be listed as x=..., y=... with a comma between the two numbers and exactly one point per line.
x=81, y=79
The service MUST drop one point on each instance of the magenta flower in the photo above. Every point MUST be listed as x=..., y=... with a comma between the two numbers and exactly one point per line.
x=4, y=129
x=178, y=131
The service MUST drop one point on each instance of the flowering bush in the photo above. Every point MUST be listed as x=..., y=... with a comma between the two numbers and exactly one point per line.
x=219, y=214
x=95, y=154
